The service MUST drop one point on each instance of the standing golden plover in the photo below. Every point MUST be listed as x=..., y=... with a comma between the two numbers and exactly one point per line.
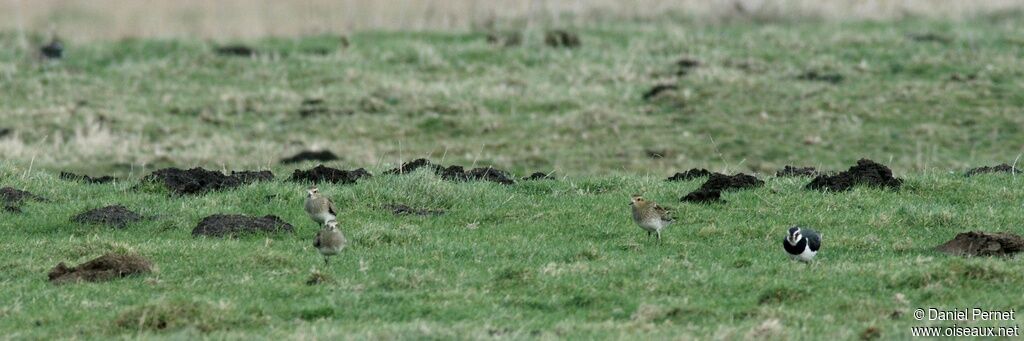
x=329, y=241
x=651, y=217
x=319, y=207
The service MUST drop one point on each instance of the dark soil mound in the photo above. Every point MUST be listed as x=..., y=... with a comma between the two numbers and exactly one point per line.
x=815, y=76
x=509, y=39
x=929, y=37
x=866, y=172
x=1003, y=168
x=308, y=155
x=718, y=183
x=53, y=50
x=562, y=38
x=85, y=178
x=790, y=171
x=312, y=107
x=658, y=89
x=402, y=209
x=11, y=199
x=253, y=176
x=539, y=176
x=197, y=180
x=115, y=216
x=687, y=63
x=320, y=174
x=104, y=268
x=455, y=173
x=977, y=243
x=689, y=175
x=235, y=51
x=489, y=174
x=233, y=225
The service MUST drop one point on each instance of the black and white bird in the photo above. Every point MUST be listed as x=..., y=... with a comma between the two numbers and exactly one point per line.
x=802, y=243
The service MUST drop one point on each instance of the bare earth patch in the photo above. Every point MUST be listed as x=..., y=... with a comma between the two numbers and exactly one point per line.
x=711, y=190
x=107, y=267
x=322, y=173
x=866, y=172
x=234, y=225
x=116, y=216
x=978, y=243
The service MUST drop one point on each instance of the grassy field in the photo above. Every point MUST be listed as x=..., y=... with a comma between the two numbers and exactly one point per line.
x=915, y=94
x=552, y=259
x=539, y=259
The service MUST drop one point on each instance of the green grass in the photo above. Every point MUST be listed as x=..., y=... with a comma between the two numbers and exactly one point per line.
x=119, y=106
x=552, y=259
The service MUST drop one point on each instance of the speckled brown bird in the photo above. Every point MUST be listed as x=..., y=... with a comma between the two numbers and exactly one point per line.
x=319, y=207
x=649, y=216
x=329, y=241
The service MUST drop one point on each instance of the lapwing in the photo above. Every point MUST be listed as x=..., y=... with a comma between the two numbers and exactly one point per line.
x=802, y=243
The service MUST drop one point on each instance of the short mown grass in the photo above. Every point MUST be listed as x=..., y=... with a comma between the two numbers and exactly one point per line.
x=553, y=258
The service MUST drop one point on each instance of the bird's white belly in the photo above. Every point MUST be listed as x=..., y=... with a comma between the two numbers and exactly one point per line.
x=653, y=225
x=328, y=251
x=326, y=216
x=805, y=256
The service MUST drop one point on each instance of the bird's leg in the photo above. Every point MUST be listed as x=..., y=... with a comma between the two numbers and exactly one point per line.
x=659, y=236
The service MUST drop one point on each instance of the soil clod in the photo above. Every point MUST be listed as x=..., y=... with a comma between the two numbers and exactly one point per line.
x=711, y=190
x=793, y=171
x=827, y=77
x=489, y=174
x=562, y=38
x=402, y=209
x=509, y=39
x=538, y=176
x=107, y=267
x=657, y=90
x=52, y=50
x=866, y=172
x=978, y=243
x=234, y=225
x=196, y=180
x=253, y=176
x=14, y=197
x=929, y=37
x=685, y=64
x=235, y=51
x=689, y=175
x=310, y=155
x=455, y=173
x=1002, y=168
x=85, y=178
x=312, y=106
x=321, y=173
x=116, y=216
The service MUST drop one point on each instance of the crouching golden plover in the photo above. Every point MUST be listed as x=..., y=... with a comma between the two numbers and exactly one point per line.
x=329, y=241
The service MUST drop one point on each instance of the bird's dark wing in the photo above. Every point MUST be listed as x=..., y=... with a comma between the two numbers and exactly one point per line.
x=813, y=239
x=316, y=241
x=330, y=208
x=664, y=213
